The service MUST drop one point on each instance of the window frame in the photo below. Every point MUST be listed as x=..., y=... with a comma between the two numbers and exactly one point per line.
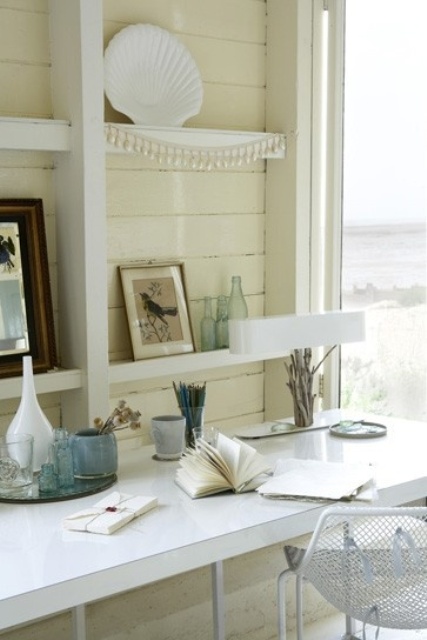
x=327, y=176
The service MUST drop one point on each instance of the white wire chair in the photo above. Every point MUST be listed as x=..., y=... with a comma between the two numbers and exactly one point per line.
x=370, y=563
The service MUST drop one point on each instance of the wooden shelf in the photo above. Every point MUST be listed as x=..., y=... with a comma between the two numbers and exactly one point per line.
x=27, y=134
x=182, y=364
x=191, y=138
x=53, y=381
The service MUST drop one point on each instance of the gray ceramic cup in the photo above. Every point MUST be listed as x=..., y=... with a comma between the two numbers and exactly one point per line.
x=169, y=436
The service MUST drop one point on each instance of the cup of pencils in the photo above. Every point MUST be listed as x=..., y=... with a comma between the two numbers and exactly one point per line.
x=191, y=401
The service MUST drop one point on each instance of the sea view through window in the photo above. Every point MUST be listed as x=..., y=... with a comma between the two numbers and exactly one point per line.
x=384, y=262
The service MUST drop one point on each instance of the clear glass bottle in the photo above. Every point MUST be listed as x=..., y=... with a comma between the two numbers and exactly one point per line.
x=207, y=327
x=237, y=307
x=48, y=480
x=221, y=324
x=59, y=434
x=64, y=458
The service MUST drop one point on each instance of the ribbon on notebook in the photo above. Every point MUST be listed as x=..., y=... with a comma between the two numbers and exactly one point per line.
x=110, y=513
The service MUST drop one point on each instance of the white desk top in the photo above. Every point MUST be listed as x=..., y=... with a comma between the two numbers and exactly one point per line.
x=46, y=569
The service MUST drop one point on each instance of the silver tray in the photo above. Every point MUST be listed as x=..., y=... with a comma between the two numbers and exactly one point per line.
x=81, y=488
x=358, y=429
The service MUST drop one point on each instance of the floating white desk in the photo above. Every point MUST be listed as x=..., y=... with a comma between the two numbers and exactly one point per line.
x=46, y=570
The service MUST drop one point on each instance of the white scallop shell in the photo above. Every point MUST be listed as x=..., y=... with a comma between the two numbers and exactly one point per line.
x=151, y=77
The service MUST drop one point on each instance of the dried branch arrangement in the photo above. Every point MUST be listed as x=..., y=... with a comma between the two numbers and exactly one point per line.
x=301, y=375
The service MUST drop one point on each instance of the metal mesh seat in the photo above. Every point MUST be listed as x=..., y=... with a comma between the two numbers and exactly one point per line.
x=369, y=563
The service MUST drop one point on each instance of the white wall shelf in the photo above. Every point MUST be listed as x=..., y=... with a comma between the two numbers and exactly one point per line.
x=192, y=137
x=51, y=382
x=194, y=148
x=182, y=364
x=34, y=134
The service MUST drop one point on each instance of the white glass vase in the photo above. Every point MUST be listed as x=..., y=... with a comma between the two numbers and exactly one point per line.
x=30, y=418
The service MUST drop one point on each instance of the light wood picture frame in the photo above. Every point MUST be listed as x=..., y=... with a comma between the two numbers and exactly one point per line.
x=157, y=309
x=26, y=313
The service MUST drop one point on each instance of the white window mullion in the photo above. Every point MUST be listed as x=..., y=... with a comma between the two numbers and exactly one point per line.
x=334, y=144
x=334, y=185
x=327, y=127
x=318, y=159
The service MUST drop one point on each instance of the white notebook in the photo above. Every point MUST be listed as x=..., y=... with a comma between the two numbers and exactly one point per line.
x=315, y=479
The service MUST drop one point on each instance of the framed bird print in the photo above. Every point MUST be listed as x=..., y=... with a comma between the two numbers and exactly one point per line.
x=26, y=315
x=157, y=308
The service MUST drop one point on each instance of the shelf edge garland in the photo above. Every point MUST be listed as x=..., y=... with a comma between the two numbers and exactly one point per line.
x=193, y=156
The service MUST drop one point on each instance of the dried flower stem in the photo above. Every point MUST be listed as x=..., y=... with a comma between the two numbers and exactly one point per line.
x=121, y=418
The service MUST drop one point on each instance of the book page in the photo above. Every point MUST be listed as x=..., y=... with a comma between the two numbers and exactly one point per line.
x=243, y=461
x=229, y=450
x=213, y=456
x=251, y=464
x=198, y=476
x=197, y=487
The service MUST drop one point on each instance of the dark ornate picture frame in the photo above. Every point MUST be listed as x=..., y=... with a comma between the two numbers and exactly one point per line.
x=26, y=313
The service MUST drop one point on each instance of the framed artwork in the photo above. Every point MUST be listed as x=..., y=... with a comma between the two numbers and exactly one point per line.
x=157, y=309
x=26, y=315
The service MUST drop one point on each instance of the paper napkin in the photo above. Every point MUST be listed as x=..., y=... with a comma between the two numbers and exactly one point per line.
x=110, y=513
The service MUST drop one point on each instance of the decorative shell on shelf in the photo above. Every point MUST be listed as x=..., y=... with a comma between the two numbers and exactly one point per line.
x=151, y=77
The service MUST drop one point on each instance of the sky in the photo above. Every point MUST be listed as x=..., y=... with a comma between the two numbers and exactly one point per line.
x=385, y=135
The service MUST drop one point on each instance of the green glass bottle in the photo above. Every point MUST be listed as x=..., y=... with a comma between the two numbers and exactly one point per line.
x=48, y=480
x=237, y=307
x=221, y=324
x=207, y=327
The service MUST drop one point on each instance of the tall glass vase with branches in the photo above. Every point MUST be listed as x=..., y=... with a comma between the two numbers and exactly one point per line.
x=301, y=376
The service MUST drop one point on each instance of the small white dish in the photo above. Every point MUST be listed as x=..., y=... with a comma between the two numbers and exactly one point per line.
x=358, y=429
x=151, y=77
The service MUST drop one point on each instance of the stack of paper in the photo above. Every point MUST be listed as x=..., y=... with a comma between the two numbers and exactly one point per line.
x=110, y=513
x=317, y=480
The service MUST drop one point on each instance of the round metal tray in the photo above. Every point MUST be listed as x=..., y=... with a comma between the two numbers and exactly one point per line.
x=358, y=429
x=82, y=487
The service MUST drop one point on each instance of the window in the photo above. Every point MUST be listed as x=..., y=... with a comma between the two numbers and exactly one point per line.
x=384, y=206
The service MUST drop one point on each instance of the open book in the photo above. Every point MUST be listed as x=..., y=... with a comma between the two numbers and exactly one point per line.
x=231, y=465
